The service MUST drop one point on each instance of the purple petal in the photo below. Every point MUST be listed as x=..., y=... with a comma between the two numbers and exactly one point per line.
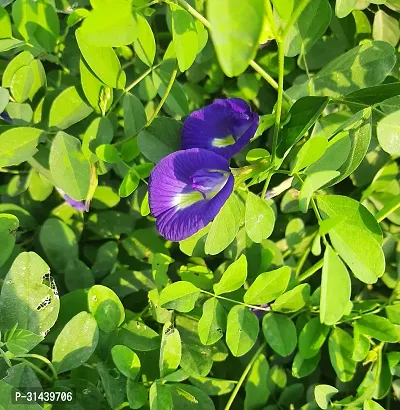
x=78, y=205
x=224, y=127
x=4, y=115
x=186, y=191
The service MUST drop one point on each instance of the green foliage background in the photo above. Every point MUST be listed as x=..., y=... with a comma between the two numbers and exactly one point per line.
x=99, y=304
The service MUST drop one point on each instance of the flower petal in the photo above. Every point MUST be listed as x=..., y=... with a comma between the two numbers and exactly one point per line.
x=224, y=127
x=180, y=209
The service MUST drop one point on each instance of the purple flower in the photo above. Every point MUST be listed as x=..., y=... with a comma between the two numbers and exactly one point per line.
x=260, y=313
x=186, y=191
x=78, y=205
x=4, y=115
x=224, y=127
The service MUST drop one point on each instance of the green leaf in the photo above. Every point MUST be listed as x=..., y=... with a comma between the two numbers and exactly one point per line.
x=388, y=131
x=8, y=226
x=136, y=393
x=303, y=114
x=77, y=275
x=160, y=139
x=340, y=353
x=212, y=322
x=98, y=94
x=18, y=144
x=268, y=286
x=76, y=343
x=356, y=238
x=283, y=8
x=257, y=392
x=312, y=183
x=361, y=346
x=180, y=296
x=5, y=24
x=7, y=392
x=335, y=288
x=99, y=132
x=372, y=405
x=160, y=397
x=309, y=27
x=312, y=337
x=233, y=278
x=48, y=26
x=259, y=218
x=248, y=84
x=303, y=367
x=111, y=24
x=108, y=153
x=39, y=77
x=22, y=83
x=345, y=7
x=241, y=330
x=138, y=336
x=213, y=387
x=367, y=65
x=126, y=360
x=129, y=184
x=106, y=308
x=225, y=226
x=145, y=44
x=323, y=394
x=22, y=341
x=236, y=28
x=386, y=28
x=110, y=73
x=310, y=152
x=171, y=349
x=68, y=109
x=58, y=242
x=185, y=396
x=134, y=115
x=280, y=333
x=4, y=98
x=24, y=12
x=69, y=167
x=184, y=36
x=21, y=60
x=293, y=300
x=377, y=327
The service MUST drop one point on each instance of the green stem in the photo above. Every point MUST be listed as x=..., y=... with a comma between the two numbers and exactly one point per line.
x=268, y=79
x=157, y=110
x=235, y=301
x=281, y=65
x=309, y=272
x=134, y=84
x=266, y=184
x=35, y=368
x=357, y=104
x=244, y=375
x=302, y=261
x=194, y=13
x=389, y=209
x=164, y=97
x=43, y=359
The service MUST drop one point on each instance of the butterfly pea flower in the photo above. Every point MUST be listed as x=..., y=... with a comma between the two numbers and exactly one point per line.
x=78, y=205
x=223, y=127
x=186, y=191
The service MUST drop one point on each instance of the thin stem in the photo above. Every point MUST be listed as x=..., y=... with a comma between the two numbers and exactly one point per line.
x=295, y=15
x=194, y=13
x=281, y=65
x=302, y=261
x=157, y=110
x=164, y=97
x=134, y=84
x=357, y=104
x=244, y=375
x=387, y=210
x=35, y=368
x=235, y=301
x=43, y=359
x=268, y=78
x=266, y=184
x=309, y=272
